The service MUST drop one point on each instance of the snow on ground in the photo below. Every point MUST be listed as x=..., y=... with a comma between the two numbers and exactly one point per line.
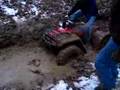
x=22, y=9
x=23, y=2
x=1, y=2
x=118, y=75
x=34, y=9
x=9, y=11
x=83, y=83
x=61, y=86
x=19, y=20
x=86, y=83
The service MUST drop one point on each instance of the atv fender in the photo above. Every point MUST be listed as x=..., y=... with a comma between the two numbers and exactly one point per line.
x=71, y=39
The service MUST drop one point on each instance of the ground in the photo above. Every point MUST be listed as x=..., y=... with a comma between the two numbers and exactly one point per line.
x=25, y=64
x=31, y=66
x=16, y=66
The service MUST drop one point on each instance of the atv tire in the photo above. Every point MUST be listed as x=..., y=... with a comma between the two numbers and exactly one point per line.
x=67, y=54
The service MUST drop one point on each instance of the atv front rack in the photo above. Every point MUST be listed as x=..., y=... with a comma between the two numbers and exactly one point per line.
x=53, y=37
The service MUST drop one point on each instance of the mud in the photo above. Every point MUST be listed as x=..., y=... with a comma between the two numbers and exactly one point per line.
x=33, y=67
x=15, y=66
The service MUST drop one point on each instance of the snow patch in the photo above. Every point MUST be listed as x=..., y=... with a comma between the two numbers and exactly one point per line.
x=93, y=65
x=118, y=72
x=23, y=2
x=83, y=83
x=9, y=11
x=61, y=86
x=34, y=9
x=1, y=1
x=19, y=20
x=86, y=83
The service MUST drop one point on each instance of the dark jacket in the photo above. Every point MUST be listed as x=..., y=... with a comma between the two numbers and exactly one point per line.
x=88, y=7
x=115, y=21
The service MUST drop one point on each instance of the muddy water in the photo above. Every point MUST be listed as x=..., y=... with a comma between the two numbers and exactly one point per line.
x=14, y=65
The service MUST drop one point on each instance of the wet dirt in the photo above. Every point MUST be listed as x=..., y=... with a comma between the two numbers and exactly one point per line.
x=34, y=68
x=15, y=66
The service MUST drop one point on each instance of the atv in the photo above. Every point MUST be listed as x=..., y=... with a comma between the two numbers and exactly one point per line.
x=64, y=41
x=68, y=43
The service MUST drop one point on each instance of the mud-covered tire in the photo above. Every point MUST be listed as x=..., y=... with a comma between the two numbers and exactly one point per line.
x=67, y=54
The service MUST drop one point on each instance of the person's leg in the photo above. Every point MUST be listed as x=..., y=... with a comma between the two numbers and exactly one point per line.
x=75, y=16
x=89, y=28
x=106, y=67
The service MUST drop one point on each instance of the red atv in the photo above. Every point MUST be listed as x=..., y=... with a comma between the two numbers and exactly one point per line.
x=66, y=42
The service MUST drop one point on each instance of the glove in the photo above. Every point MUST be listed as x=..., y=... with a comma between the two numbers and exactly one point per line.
x=116, y=55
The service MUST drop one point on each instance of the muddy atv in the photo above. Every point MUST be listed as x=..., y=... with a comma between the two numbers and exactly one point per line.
x=65, y=42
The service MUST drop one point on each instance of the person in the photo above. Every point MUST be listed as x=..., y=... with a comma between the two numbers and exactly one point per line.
x=106, y=65
x=85, y=8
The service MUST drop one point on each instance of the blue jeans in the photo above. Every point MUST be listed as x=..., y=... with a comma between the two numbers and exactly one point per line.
x=89, y=25
x=106, y=66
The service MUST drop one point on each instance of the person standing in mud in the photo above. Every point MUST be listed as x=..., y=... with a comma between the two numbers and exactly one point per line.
x=85, y=8
x=107, y=60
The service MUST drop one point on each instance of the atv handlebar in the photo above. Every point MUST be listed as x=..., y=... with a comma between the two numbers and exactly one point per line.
x=66, y=23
